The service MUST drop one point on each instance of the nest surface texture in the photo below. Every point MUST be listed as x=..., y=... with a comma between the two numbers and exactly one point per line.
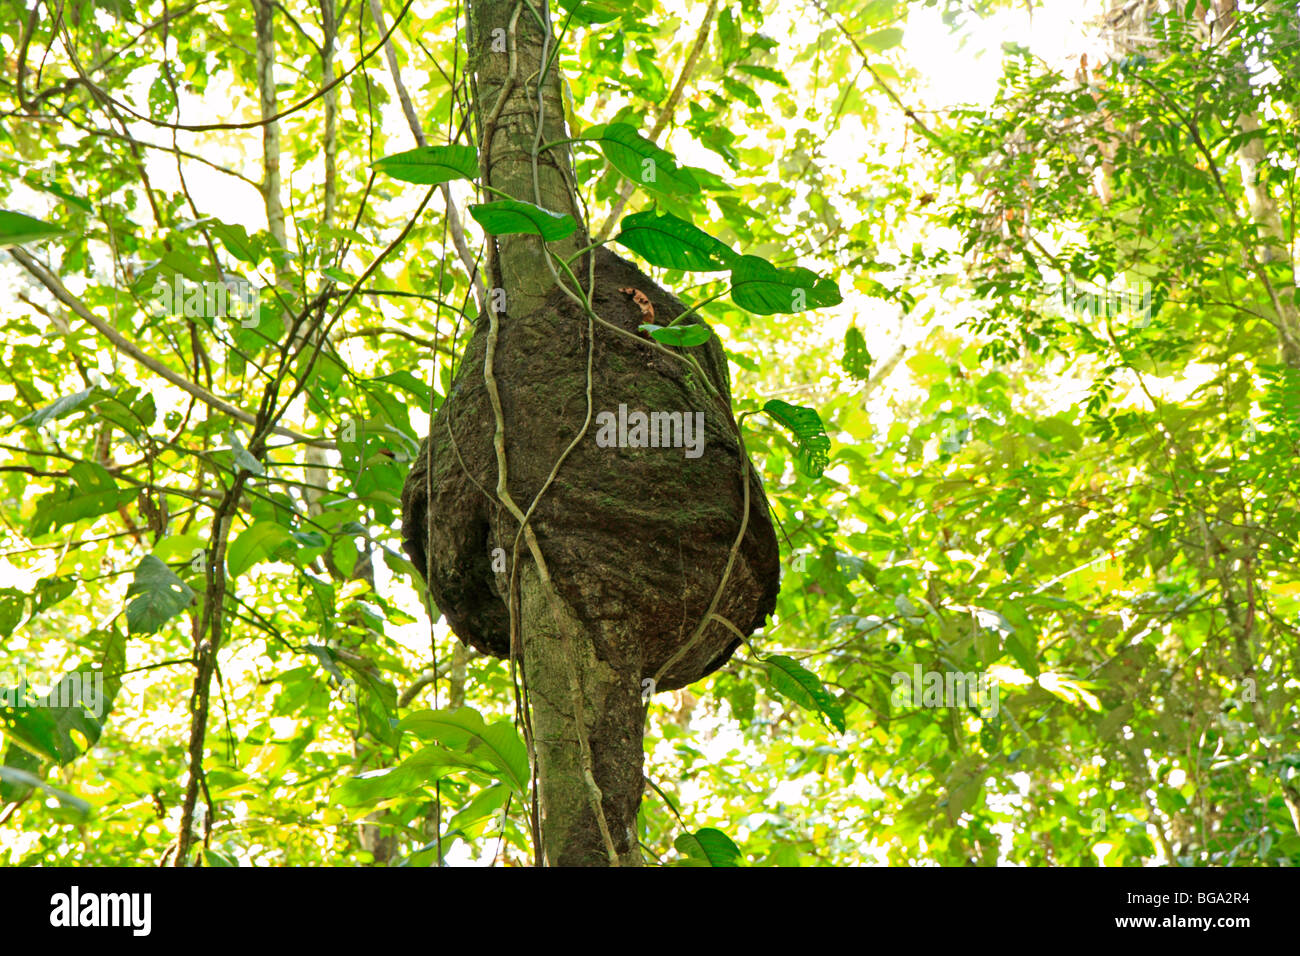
x=635, y=538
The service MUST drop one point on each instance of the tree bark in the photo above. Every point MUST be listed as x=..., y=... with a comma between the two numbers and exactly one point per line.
x=507, y=47
x=587, y=715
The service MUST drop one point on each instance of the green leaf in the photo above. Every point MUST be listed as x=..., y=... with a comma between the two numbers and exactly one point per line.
x=882, y=40
x=765, y=73
x=15, y=777
x=94, y=493
x=408, y=383
x=59, y=408
x=680, y=335
x=507, y=217
x=66, y=722
x=672, y=243
x=728, y=37
x=745, y=94
x=642, y=161
x=16, y=229
x=857, y=360
x=431, y=165
x=377, y=785
x=464, y=734
x=12, y=605
x=708, y=847
x=810, y=436
x=18, y=758
x=794, y=681
x=762, y=288
x=54, y=189
x=237, y=242
x=161, y=596
x=255, y=544
x=593, y=11
x=484, y=805
x=243, y=458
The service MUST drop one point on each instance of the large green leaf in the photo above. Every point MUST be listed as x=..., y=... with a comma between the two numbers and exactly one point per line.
x=17, y=228
x=257, y=543
x=794, y=681
x=463, y=732
x=642, y=161
x=237, y=241
x=94, y=492
x=708, y=847
x=683, y=336
x=811, y=440
x=511, y=217
x=159, y=596
x=857, y=360
x=673, y=243
x=67, y=721
x=431, y=165
x=761, y=287
x=385, y=784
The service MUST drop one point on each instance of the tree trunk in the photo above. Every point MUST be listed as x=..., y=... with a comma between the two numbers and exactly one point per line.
x=587, y=715
x=640, y=565
x=506, y=55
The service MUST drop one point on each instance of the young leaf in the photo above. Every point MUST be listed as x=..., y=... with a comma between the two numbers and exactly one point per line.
x=682, y=336
x=238, y=242
x=764, y=73
x=762, y=288
x=857, y=360
x=673, y=243
x=507, y=217
x=810, y=436
x=431, y=165
x=791, y=679
x=882, y=40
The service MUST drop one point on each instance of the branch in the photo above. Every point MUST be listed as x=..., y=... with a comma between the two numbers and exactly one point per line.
x=467, y=259
x=665, y=114
x=130, y=349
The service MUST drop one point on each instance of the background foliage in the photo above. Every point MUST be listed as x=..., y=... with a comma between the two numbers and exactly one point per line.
x=1062, y=393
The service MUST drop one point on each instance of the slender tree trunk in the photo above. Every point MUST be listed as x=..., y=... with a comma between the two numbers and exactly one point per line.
x=506, y=47
x=586, y=709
